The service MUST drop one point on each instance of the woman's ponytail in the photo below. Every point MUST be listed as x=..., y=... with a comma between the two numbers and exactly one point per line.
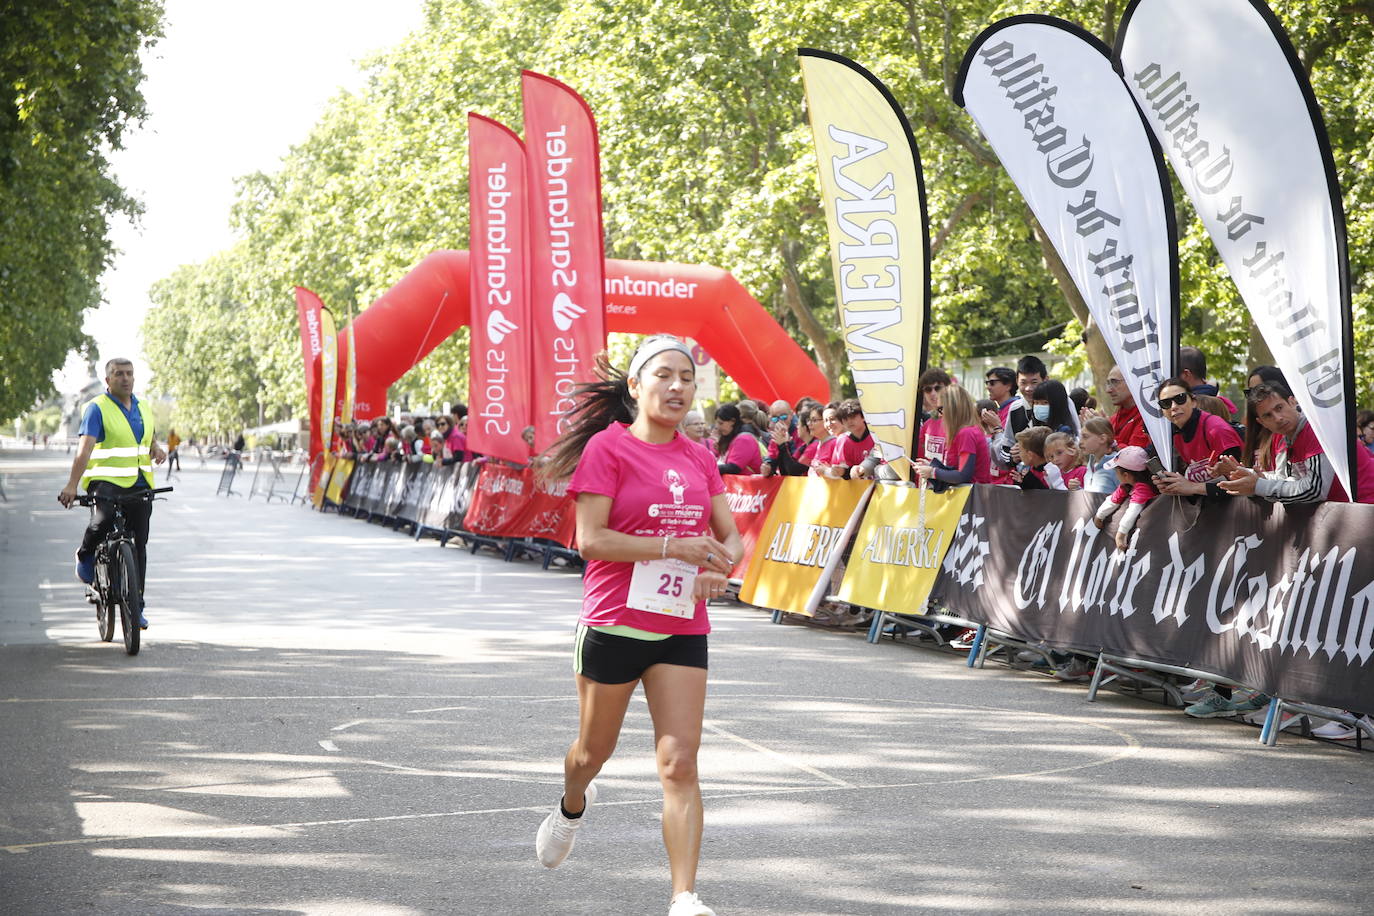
x=599, y=404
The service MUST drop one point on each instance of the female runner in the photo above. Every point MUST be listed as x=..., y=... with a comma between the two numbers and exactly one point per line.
x=659, y=540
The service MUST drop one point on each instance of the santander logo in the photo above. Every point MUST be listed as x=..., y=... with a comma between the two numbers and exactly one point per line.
x=498, y=326
x=565, y=311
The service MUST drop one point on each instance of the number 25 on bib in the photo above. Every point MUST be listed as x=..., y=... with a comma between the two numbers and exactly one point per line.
x=664, y=587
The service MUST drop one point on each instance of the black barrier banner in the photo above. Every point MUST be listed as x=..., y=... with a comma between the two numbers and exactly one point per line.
x=1277, y=598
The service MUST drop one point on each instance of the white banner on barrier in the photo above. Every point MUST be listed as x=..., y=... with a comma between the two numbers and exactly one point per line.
x=1222, y=89
x=1045, y=95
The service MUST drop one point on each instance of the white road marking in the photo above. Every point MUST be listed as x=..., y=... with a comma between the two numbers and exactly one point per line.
x=19, y=848
x=348, y=725
x=1130, y=746
x=776, y=755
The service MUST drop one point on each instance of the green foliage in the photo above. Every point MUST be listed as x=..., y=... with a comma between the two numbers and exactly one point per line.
x=707, y=158
x=70, y=77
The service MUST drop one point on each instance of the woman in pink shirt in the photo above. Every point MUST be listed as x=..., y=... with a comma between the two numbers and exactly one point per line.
x=825, y=452
x=737, y=451
x=659, y=540
x=967, y=457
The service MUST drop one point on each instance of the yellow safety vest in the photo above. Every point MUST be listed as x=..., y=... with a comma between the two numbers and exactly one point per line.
x=118, y=457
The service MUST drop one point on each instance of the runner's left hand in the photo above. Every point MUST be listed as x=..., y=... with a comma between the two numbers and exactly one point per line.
x=709, y=585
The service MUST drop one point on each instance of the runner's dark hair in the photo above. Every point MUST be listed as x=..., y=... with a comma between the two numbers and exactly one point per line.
x=599, y=404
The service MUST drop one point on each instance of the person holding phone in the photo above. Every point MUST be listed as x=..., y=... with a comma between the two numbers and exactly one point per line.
x=1200, y=440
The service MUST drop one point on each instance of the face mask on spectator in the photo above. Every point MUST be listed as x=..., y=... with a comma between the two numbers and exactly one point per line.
x=1041, y=411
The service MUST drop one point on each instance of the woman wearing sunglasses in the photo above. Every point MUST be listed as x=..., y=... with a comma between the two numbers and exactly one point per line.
x=1200, y=439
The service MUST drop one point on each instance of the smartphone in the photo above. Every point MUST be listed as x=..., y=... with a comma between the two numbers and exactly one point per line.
x=1155, y=465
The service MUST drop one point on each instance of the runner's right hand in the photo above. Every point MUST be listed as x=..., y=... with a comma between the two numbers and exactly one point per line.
x=699, y=551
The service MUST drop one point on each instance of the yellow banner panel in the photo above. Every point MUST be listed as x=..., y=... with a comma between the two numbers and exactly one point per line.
x=803, y=528
x=342, y=471
x=900, y=546
x=874, y=200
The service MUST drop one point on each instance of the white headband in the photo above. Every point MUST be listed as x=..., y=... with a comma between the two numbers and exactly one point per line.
x=654, y=346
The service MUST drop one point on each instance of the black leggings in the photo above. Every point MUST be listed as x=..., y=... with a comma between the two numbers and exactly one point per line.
x=136, y=516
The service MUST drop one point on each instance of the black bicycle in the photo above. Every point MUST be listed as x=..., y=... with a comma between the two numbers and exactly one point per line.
x=116, y=571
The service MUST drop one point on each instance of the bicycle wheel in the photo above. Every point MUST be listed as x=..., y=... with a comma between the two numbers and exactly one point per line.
x=128, y=597
x=104, y=618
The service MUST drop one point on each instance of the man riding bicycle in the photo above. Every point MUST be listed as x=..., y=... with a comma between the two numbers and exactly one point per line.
x=115, y=455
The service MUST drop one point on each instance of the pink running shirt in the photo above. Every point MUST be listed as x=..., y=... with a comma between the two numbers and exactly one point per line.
x=931, y=442
x=655, y=490
x=970, y=441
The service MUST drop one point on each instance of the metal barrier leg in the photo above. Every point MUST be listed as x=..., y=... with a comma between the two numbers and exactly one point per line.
x=1271, y=717
x=777, y=616
x=1097, y=679
x=985, y=646
x=977, y=648
x=875, y=629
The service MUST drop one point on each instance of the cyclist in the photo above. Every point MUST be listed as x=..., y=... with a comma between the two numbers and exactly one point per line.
x=115, y=455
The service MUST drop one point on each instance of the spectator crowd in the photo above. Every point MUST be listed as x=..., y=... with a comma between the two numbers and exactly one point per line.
x=1026, y=431
x=1029, y=431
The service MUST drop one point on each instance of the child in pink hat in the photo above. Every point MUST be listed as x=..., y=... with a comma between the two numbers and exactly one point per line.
x=1135, y=486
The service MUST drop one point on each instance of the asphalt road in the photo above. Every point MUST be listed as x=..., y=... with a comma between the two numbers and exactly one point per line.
x=328, y=717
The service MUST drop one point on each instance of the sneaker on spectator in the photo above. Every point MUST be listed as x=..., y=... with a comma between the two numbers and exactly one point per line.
x=1076, y=669
x=1211, y=706
x=1334, y=731
x=1196, y=690
x=1250, y=702
x=964, y=641
x=689, y=904
x=557, y=834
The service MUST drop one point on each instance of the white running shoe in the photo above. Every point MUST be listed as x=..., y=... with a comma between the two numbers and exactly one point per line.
x=1334, y=731
x=558, y=833
x=689, y=904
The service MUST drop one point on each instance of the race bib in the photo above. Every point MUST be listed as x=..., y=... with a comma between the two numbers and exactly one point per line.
x=664, y=587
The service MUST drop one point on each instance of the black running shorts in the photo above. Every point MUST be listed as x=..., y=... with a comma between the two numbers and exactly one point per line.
x=610, y=659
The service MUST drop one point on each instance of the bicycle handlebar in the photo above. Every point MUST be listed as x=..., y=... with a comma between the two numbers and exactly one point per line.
x=90, y=499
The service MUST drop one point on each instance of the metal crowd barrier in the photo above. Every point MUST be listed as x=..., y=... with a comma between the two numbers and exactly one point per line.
x=271, y=484
x=232, y=462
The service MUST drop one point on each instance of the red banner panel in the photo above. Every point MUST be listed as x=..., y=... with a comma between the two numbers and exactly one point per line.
x=750, y=498
x=509, y=503
x=501, y=369
x=309, y=309
x=567, y=260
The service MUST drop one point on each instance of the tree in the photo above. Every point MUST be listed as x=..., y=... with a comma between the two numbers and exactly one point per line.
x=71, y=75
x=707, y=158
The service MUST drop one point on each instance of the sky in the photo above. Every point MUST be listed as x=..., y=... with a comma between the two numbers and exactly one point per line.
x=229, y=90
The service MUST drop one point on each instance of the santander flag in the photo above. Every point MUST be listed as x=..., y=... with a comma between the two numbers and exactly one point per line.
x=501, y=370
x=309, y=309
x=565, y=249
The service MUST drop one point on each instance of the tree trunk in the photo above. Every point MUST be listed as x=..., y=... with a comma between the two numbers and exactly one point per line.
x=829, y=354
x=1099, y=355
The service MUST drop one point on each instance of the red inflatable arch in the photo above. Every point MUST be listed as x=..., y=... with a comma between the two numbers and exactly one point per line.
x=704, y=303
